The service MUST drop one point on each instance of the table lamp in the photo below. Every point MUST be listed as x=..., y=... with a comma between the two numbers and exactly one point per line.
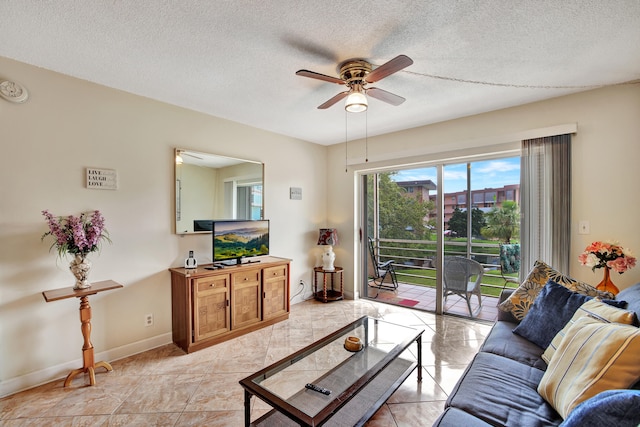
x=327, y=238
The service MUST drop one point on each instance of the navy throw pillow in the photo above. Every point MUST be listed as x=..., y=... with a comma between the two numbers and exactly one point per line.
x=552, y=309
x=616, y=303
x=620, y=408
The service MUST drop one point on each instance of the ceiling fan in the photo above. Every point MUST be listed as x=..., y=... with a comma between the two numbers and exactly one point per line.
x=356, y=74
x=180, y=153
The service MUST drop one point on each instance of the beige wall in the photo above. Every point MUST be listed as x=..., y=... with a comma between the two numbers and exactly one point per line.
x=70, y=124
x=605, y=166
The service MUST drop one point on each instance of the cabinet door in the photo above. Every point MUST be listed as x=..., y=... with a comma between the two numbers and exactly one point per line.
x=246, y=299
x=275, y=291
x=211, y=306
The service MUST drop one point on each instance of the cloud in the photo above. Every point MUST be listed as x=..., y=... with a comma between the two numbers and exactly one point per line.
x=497, y=166
x=454, y=174
x=416, y=175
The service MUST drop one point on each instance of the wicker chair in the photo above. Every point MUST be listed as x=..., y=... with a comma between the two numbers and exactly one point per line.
x=458, y=279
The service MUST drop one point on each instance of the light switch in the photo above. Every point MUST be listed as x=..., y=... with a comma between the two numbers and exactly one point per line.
x=295, y=193
x=583, y=227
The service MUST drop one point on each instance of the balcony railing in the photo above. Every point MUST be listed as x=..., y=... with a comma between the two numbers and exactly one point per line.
x=415, y=261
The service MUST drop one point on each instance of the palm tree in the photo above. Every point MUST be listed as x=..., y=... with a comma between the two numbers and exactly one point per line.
x=503, y=222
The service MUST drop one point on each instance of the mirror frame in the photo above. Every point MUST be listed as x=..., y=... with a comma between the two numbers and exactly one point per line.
x=215, y=162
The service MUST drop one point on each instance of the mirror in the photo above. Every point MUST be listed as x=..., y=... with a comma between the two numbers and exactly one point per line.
x=209, y=187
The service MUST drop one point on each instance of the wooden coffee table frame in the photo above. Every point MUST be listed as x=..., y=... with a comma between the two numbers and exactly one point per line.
x=284, y=413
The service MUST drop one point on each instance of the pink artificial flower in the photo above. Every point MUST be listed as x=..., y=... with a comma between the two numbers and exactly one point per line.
x=619, y=265
x=607, y=255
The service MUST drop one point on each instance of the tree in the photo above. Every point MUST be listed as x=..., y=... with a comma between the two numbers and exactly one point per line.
x=400, y=217
x=503, y=222
x=458, y=222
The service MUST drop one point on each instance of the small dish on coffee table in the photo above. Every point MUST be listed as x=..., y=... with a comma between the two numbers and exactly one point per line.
x=353, y=344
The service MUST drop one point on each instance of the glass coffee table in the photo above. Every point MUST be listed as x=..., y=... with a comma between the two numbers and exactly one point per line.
x=355, y=383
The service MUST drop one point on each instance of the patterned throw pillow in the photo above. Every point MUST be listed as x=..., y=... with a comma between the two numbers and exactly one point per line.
x=595, y=309
x=593, y=357
x=523, y=297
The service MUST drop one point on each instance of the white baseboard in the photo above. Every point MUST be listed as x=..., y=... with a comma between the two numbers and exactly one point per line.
x=52, y=373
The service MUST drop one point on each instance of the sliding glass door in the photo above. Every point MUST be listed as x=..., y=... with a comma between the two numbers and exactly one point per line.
x=409, y=230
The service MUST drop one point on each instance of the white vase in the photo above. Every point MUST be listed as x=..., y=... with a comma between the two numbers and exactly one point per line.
x=328, y=258
x=80, y=267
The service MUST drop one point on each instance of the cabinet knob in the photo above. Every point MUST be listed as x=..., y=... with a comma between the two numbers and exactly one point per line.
x=212, y=285
x=246, y=278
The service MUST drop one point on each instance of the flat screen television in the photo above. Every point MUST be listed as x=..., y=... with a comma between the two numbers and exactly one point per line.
x=234, y=240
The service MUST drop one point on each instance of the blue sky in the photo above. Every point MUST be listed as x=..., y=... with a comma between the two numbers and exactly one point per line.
x=484, y=174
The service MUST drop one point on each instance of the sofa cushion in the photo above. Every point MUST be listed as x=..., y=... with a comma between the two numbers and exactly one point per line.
x=522, y=299
x=620, y=408
x=551, y=310
x=501, y=391
x=454, y=417
x=593, y=357
x=503, y=342
x=632, y=296
x=594, y=309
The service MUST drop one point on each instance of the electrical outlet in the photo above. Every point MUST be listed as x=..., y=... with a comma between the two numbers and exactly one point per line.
x=148, y=320
x=301, y=283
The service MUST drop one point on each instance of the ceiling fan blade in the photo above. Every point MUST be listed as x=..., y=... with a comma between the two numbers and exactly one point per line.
x=388, y=68
x=323, y=77
x=333, y=100
x=385, y=96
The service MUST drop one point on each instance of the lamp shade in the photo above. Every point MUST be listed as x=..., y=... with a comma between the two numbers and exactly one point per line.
x=356, y=102
x=328, y=236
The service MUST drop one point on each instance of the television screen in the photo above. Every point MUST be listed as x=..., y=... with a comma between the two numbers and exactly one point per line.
x=237, y=239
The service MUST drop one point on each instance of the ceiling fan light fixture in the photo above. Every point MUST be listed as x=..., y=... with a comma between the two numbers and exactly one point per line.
x=356, y=102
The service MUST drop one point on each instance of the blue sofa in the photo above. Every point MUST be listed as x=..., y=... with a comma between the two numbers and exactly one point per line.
x=499, y=387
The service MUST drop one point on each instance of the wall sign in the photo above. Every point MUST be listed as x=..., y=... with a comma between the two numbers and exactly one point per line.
x=102, y=179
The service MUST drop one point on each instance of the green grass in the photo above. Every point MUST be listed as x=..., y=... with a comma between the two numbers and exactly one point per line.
x=428, y=279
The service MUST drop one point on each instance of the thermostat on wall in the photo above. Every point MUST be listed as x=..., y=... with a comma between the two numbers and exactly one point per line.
x=295, y=193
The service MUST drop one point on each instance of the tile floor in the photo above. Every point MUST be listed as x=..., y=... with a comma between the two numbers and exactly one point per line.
x=166, y=387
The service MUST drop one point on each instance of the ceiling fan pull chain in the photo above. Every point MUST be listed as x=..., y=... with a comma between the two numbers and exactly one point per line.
x=366, y=136
x=346, y=142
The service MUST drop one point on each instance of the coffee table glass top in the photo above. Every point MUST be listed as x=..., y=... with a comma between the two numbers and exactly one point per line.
x=328, y=364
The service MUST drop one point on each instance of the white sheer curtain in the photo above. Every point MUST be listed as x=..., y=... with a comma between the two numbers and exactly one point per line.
x=545, y=232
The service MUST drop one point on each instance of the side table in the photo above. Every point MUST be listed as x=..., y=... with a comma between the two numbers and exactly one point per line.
x=85, y=324
x=330, y=294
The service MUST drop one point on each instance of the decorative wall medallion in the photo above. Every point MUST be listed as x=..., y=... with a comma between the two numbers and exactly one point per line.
x=13, y=92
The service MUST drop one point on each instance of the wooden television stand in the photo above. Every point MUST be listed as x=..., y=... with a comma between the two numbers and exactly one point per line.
x=211, y=304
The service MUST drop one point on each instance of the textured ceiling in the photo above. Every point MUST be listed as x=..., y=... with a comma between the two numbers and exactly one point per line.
x=237, y=59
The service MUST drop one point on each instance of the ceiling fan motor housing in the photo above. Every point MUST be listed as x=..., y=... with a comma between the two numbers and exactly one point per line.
x=354, y=72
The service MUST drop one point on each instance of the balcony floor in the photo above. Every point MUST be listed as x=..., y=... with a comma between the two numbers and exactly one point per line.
x=426, y=301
